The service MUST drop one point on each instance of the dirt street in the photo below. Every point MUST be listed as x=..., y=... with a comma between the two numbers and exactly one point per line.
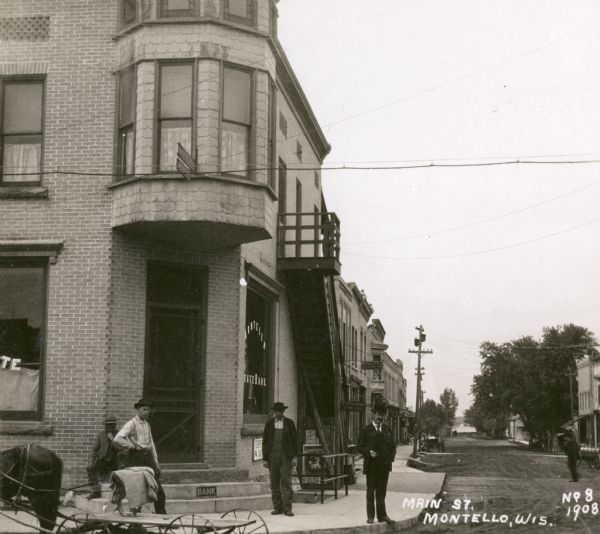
x=496, y=486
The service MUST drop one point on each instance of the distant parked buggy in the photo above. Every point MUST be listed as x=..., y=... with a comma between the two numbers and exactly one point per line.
x=433, y=444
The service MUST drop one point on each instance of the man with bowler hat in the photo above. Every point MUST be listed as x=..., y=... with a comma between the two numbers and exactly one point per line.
x=377, y=446
x=279, y=455
x=102, y=458
x=135, y=438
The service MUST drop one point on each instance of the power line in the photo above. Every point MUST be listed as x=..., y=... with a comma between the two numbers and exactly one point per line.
x=477, y=252
x=476, y=223
x=255, y=168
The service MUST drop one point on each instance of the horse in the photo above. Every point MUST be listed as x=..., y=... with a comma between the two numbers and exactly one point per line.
x=35, y=472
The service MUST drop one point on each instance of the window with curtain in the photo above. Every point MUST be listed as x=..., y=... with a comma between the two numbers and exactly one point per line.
x=22, y=320
x=176, y=8
x=175, y=112
x=22, y=130
x=240, y=11
x=128, y=12
x=126, y=116
x=236, y=125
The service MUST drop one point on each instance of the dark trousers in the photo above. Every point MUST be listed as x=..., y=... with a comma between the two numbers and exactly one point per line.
x=572, y=462
x=143, y=458
x=100, y=472
x=280, y=473
x=377, y=479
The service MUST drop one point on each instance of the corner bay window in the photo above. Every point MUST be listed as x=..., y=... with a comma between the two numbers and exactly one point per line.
x=236, y=121
x=22, y=130
x=175, y=112
x=257, y=360
x=22, y=317
x=127, y=86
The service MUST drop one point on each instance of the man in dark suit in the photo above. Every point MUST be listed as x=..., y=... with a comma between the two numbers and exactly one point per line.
x=376, y=444
x=279, y=455
x=102, y=458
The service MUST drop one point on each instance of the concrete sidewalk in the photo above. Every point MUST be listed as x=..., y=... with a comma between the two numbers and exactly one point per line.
x=346, y=514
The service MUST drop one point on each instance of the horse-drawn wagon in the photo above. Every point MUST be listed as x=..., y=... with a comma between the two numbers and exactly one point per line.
x=34, y=472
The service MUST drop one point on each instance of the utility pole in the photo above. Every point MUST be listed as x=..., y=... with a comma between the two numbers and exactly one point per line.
x=571, y=374
x=419, y=344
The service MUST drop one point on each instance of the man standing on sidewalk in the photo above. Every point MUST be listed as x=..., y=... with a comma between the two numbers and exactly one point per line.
x=573, y=455
x=279, y=455
x=138, y=450
x=376, y=444
x=102, y=458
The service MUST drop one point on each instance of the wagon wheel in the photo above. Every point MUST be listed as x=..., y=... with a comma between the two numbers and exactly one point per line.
x=190, y=524
x=80, y=523
x=258, y=527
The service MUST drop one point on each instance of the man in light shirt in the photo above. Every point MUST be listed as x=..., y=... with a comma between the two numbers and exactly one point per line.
x=135, y=438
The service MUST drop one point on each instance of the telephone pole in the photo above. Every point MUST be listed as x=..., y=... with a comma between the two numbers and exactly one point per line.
x=419, y=401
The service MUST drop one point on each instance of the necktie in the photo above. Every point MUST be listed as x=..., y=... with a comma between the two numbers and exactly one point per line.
x=378, y=428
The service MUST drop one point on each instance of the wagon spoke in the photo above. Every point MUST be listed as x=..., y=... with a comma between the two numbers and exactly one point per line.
x=257, y=526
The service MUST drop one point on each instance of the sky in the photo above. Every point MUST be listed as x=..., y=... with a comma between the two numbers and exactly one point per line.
x=471, y=251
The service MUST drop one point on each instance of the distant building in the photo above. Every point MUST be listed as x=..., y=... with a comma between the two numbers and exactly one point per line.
x=388, y=381
x=588, y=388
x=516, y=429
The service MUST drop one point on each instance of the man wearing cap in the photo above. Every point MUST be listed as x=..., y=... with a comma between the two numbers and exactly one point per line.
x=135, y=438
x=102, y=458
x=377, y=446
x=279, y=455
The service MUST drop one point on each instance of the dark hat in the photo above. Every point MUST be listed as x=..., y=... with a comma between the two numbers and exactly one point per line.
x=279, y=406
x=110, y=420
x=380, y=406
x=143, y=402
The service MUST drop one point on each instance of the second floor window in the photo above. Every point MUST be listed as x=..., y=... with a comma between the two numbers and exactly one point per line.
x=128, y=12
x=240, y=11
x=126, y=152
x=237, y=121
x=176, y=8
x=175, y=113
x=22, y=130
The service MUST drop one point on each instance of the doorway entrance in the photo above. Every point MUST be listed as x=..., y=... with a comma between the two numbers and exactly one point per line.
x=173, y=377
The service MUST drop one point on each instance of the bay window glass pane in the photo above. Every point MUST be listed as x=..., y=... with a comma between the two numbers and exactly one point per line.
x=234, y=148
x=236, y=96
x=22, y=158
x=128, y=11
x=176, y=91
x=127, y=97
x=239, y=8
x=177, y=5
x=171, y=133
x=21, y=334
x=23, y=108
x=126, y=149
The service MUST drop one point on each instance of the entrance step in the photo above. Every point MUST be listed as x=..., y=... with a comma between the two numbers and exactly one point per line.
x=174, y=466
x=184, y=506
x=220, y=490
x=189, y=475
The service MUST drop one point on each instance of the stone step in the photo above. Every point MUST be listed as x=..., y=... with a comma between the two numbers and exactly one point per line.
x=203, y=491
x=184, y=506
x=175, y=466
x=204, y=475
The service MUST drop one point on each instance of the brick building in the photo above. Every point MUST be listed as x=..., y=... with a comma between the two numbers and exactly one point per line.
x=354, y=312
x=162, y=227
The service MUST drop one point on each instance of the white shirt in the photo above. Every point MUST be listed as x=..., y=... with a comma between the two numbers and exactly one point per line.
x=378, y=427
x=279, y=424
x=136, y=434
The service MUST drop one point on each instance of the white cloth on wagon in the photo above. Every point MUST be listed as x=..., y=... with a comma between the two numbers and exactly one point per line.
x=137, y=484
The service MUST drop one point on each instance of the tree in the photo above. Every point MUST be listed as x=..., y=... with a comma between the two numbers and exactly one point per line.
x=449, y=402
x=433, y=417
x=530, y=379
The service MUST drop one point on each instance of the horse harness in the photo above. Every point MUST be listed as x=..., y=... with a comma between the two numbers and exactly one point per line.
x=24, y=469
